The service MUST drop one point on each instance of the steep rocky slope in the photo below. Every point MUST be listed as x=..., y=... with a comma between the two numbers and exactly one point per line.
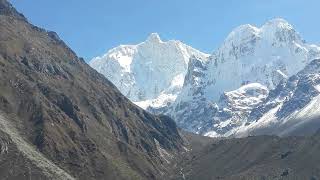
x=60, y=119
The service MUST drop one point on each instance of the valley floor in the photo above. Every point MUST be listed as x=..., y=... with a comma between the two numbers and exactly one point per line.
x=260, y=157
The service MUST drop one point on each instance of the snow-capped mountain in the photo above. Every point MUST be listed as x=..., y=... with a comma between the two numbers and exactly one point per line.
x=265, y=55
x=149, y=73
x=216, y=95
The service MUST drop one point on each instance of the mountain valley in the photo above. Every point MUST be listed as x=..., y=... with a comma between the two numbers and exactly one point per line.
x=159, y=110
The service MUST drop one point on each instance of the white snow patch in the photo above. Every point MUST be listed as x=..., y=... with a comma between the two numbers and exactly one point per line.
x=317, y=87
x=163, y=153
x=265, y=121
x=212, y=134
x=311, y=110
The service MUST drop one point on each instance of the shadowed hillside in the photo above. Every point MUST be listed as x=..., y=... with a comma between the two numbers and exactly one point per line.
x=72, y=119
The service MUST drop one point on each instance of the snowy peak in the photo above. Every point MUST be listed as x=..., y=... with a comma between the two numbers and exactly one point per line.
x=258, y=58
x=241, y=33
x=149, y=70
x=265, y=55
x=153, y=38
x=277, y=23
x=274, y=31
x=280, y=30
x=216, y=94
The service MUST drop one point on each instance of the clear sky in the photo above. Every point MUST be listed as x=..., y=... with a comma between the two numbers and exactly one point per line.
x=91, y=27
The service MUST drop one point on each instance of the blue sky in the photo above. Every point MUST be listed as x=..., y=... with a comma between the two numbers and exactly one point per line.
x=91, y=27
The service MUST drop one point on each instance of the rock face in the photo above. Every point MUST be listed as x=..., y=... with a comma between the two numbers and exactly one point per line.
x=290, y=109
x=147, y=71
x=235, y=106
x=265, y=55
x=61, y=119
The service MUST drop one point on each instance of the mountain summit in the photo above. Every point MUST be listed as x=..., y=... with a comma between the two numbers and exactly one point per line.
x=265, y=55
x=153, y=38
x=204, y=94
x=150, y=70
